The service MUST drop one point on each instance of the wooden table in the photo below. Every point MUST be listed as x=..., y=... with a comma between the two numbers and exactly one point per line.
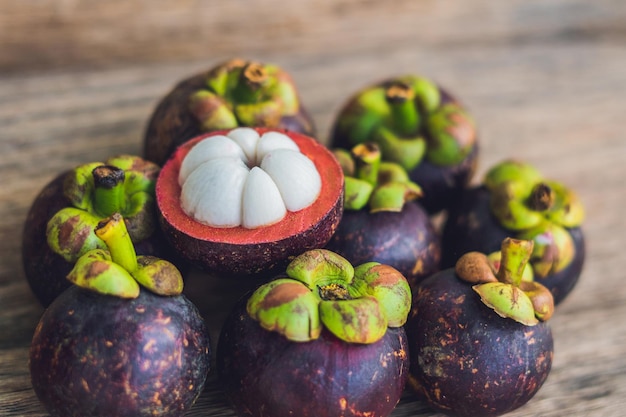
x=546, y=81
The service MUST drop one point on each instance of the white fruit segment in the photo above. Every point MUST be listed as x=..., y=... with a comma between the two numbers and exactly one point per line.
x=243, y=179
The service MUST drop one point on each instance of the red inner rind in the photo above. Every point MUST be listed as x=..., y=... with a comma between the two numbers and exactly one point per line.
x=168, y=197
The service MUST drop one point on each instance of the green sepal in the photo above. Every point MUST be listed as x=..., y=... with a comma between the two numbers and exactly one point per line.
x=357, y=193
x=265, y=113
x=211, y=111
x=158, y=276
x=567, y=209
x=507, y=301
x=96, y=271
x=78, y=186
x=346, y=162
x=354, y=321
x=452, y=135
x=288, y=307
x=512, y=212
x=553, y=251
x=70, y=233
x=388, y=286
x=320, y=267
x=392, y=172
x=427, y=93
x=365, y=113
x=511, y=171
x=392, y=196
x=408, y=152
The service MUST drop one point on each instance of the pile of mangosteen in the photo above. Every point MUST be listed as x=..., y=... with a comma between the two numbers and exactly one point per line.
x=359, y=294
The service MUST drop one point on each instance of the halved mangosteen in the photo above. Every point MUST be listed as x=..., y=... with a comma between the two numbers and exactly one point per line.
x=419, y=125
x=244, y=201
x=232, y=94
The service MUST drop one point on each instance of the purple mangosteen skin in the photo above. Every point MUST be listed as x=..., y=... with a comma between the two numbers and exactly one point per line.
x=173, y=124
x=45, y=270
x=263, y=373
x=98, y=355
x=470, y=226
x=468, y=361
x=406, y=240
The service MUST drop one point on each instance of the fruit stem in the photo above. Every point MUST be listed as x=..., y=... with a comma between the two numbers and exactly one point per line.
x=367, y=162
x=251, y=80
x=109, y=189
x=515, y=254
x=400, y=98
x=113, y=232
x=542, y=197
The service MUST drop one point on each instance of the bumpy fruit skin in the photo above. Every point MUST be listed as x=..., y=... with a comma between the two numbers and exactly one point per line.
x=406, y=240
x=263, y=373
x=97, y=355
x=239, y=252
x=172, y=123
x=465, y=359
x=45, y=270
x=440, y=184
x=470, y=226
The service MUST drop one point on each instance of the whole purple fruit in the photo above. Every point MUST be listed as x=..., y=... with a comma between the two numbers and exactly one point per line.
x=232, y=94
x=478, y=339
x=60, y=223
x=325, y=340
x=515, y=200
x=122, y=342
x=381, y=221
x=418, y=125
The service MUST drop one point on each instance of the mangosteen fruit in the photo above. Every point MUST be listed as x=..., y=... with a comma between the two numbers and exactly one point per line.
x=515, y=200
x=324, y=339
x=418, y=125
x=59, y=227
x=381, y=221
x=478, y=338
x=242, y=202
x=122, y=341
x=235, y=93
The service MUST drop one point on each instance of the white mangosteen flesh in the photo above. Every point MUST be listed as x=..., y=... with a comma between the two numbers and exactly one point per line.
x=246, y=179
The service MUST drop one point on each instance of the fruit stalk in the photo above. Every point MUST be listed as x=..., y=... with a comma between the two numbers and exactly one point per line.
x=405, y=116
x=515, y=255
x=109, y=189
x=113, y=232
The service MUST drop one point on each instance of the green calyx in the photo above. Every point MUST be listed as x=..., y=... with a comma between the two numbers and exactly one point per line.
x=118, y=271
x=505, y=284
x=408, y=119
x=123, y=184
x=322, y=289
x=537, y=209
x=379, y=185
x=243, y=93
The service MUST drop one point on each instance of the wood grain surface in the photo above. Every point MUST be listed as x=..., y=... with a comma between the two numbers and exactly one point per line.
x=545, y=80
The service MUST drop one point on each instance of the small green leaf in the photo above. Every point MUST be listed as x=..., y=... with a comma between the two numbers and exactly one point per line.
x=357, y=193
x=78, y=186
x=158, y=275
x=359, y=320
x=507, y=301
x=389, y=287
x=288, y=307
x=319, y=267
x=407, y=152
x=95, y=271
x=70, y=233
